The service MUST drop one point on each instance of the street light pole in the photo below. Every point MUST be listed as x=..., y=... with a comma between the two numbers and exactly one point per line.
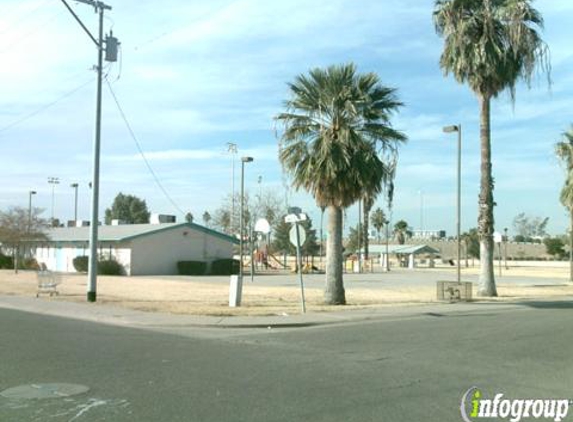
x=32, y=192
x=458, y=129
x=75, y=186
x=232, y=149
x=53, y=181
x=242, y=225
x=505, y=239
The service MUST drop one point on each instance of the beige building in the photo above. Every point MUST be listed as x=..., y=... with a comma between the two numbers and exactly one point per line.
x=142, y=249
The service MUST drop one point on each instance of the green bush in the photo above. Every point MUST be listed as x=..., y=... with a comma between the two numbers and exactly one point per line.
x=81, y=264
x=6, y=262
x=109, y=267
x=225, y=267
x=191, y=267
x=28, y=264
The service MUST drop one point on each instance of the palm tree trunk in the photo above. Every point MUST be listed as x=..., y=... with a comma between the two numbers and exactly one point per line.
x=334, y=289
x=485, y=212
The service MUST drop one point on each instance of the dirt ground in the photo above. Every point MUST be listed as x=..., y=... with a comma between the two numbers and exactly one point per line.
x=199, y=296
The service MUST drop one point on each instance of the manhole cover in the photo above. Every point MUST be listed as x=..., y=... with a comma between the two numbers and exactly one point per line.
x=44, y=391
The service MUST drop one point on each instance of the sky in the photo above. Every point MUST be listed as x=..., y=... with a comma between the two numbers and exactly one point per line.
x=193, y=76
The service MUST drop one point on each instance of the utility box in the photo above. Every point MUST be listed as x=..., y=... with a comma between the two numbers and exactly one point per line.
x=453, y=291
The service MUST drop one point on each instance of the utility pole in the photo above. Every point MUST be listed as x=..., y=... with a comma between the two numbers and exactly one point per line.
x=232, y=149
x=53, y=181
x=110, y=49
x=75, y=186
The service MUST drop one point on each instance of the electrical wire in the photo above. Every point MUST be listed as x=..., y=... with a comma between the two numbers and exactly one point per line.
x=30, y=32
x=138, y=145
x=22, y=18
x=43, y=108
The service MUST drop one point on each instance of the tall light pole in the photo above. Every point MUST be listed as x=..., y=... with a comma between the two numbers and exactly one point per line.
x=109, y=46
x=458, y=129
x=232, y=149
x=242, y=223
x=75, y=186
x=53, y=181
x=30, y=194
x=505, y=239
x=421, y=192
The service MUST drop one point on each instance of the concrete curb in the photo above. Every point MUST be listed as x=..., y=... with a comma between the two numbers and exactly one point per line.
x=117, y=316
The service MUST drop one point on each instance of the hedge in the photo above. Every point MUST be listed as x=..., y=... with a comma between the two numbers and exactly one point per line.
x=191, y=267
x=81, y=264
x=109, y=267
x=6, y=262
x=225, y=267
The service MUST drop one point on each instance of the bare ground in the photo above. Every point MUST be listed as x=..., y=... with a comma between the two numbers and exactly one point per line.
x=199, y=296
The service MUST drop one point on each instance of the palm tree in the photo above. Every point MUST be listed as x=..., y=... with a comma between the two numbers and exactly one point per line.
x=402, y=232
x=378, y=219
x=564, y=151
x=490, y=45
x=334, y=126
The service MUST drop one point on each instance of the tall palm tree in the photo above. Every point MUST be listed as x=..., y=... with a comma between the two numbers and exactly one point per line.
x=489, y=45
x=378, y=219
x=334, y=124
x=564, y=151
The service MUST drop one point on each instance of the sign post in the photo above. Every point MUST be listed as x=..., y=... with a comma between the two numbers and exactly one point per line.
x=297, y=237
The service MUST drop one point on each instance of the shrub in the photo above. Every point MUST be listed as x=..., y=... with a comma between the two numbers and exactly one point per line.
x=191, y=267
x=6, y=262
x=225, y=267
x=81, y=264
x=109, y=267
x=28, y=264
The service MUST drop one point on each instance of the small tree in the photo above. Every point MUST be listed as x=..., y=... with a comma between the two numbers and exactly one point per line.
x=188, y=217
x=555, y=247
x=355, y=240
x=206, y=218
x=19, y=225
x=129, y=209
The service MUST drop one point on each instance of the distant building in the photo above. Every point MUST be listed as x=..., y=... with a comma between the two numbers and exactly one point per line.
x=429, y=234
x=142, y=249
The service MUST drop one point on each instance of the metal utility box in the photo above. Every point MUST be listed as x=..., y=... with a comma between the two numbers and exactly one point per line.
x=453, y=291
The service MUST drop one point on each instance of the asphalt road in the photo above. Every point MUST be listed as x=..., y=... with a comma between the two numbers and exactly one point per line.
x=412, y=368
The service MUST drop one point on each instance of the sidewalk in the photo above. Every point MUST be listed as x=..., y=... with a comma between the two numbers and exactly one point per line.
x=119, y=316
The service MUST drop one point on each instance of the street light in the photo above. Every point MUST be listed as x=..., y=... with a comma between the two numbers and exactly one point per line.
x=32, y=192
x=505, y=239
x=75, y=186
x=53, y=181
x=458, y=129
x=242, y=225
x=232, y=149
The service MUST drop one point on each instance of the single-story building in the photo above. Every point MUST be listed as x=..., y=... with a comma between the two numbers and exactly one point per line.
x=409, y=251
x=142, y=249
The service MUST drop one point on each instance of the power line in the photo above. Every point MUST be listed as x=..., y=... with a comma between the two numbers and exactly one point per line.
x=24, y=17
x=43, y=108
x=138, y=145
x=30, y=32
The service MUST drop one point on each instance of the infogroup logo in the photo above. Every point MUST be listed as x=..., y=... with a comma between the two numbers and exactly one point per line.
x=474, y=407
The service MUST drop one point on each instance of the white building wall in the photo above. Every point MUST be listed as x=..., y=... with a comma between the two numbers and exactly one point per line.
x=61, y=257
x=159, y=253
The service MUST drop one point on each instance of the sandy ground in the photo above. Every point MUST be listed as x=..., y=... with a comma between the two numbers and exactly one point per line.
x=209, y=296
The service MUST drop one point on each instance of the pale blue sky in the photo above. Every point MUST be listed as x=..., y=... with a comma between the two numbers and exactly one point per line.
x=195, y=75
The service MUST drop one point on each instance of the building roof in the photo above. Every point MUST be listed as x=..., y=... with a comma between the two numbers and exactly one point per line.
x=404, y=249
x=125, y=232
